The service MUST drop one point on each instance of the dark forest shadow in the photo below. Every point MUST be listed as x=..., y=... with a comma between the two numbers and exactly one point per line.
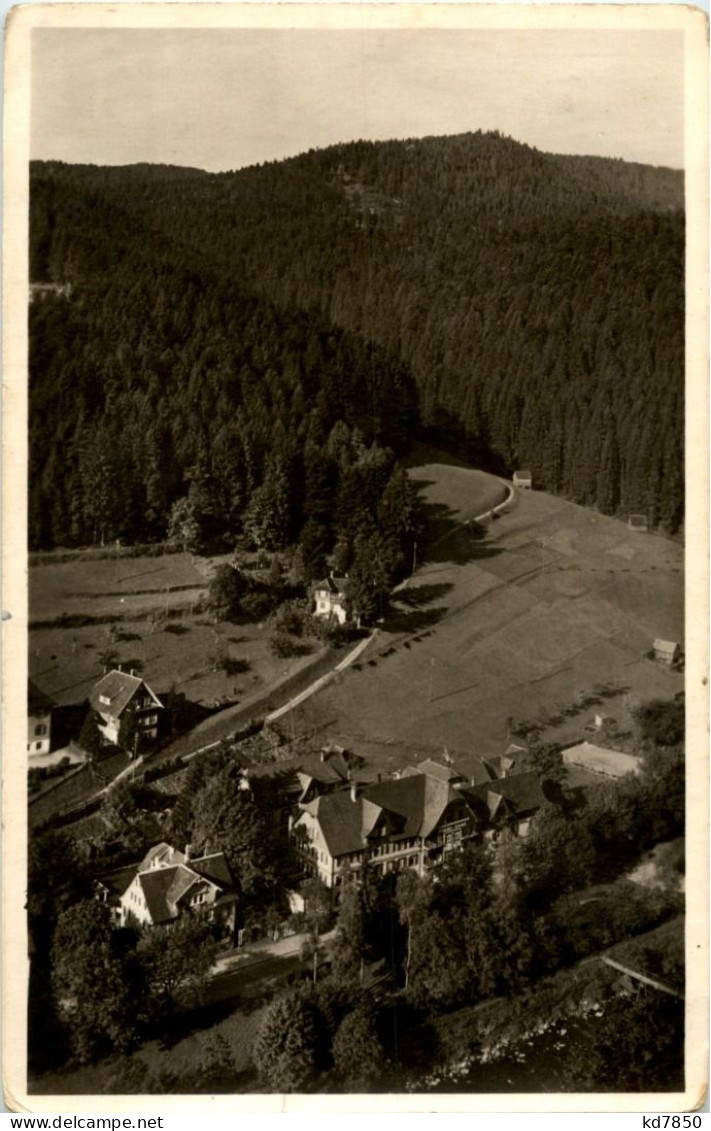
x=420, y=595
x=398, y=621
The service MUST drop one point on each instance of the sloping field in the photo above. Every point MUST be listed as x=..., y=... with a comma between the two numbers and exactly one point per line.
x=66, y=587
x=511, y=619
x=111, y=601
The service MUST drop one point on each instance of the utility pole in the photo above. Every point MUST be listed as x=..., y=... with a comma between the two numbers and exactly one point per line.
x=414, y=555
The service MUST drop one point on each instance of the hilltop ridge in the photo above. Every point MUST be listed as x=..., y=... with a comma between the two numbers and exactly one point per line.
x=535, y=302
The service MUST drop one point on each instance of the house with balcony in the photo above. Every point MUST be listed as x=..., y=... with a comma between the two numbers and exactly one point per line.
x=412, y=821
x=330, y=599
x=120, y=694
x=168, y=884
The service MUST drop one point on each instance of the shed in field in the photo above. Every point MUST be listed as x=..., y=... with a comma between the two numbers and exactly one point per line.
x=599, y=760
x=666, y=651
x=637, y=522
x=523, y=479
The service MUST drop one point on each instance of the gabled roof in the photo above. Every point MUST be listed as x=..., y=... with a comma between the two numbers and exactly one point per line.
x=513, y=749
x=521, y=792
x=159, y=851
x=215, y=868
x=37, y=702
x=183, y=880
x=522, y=473
x=335, y=585
x=370, y=815
x=414, y=806
x=119, y=688
x=119, y=880
x=420, y=799
x=165, y=885
x=163, y=888
x=437, y=770
x=340, y=819
x=499, y=765
x=155, y=886
x=475, y=770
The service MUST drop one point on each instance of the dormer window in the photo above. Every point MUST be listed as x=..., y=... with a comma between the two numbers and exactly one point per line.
x=105, y=699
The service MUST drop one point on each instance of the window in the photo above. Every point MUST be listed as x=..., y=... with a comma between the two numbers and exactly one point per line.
x=38, y=745
x=40, y=728
x=105, y=700
x=412, y=861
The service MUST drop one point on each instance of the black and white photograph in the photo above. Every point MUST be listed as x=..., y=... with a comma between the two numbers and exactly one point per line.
x=356, y=483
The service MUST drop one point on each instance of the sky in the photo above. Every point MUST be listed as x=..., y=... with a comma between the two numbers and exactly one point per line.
x=225, y=98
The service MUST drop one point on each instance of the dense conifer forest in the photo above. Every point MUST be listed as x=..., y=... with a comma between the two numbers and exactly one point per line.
x=252, y=351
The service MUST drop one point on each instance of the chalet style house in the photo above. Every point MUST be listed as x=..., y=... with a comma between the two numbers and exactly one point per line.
x=39, y=721
x=168, y=884
x=413, y=821
x=330, y=599
x=119, y=694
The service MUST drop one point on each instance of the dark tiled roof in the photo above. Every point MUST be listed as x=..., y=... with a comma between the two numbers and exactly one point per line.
x=37, y=702
x=521, y=792
x=334, y=768
x=119, y=880
x=341, y=821
x=164, y=887
x=335, y=585
x=437, y=770
x=156, y=885
x=412, y=805
x=474, y=770
x=215, y=868
x=119, y=688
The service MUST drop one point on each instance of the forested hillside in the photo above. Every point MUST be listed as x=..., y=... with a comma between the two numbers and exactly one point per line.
x=220, y=327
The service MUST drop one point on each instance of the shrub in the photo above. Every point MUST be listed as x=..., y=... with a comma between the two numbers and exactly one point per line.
x=662, y=722
x=286, y=1051
x=285, y=646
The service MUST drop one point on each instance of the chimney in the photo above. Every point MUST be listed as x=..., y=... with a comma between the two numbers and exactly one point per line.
x=354, y=791
x=119, y=668
x=188, y=851
x=323, y=754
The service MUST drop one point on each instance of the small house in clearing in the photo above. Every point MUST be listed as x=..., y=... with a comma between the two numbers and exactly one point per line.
x=666, y=651
x=523, y=480
x=638, y=523
x=39, y=721
x=118, y=694
x=330, y=598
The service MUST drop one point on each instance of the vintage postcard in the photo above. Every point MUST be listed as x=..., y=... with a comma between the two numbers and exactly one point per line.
x=355, y=558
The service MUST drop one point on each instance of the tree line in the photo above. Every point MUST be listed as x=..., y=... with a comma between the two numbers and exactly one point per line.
x=537, y=301
x=166, y=402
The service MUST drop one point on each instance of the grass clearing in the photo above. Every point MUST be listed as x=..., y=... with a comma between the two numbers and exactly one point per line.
x=512, y=621
x=181, y=647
